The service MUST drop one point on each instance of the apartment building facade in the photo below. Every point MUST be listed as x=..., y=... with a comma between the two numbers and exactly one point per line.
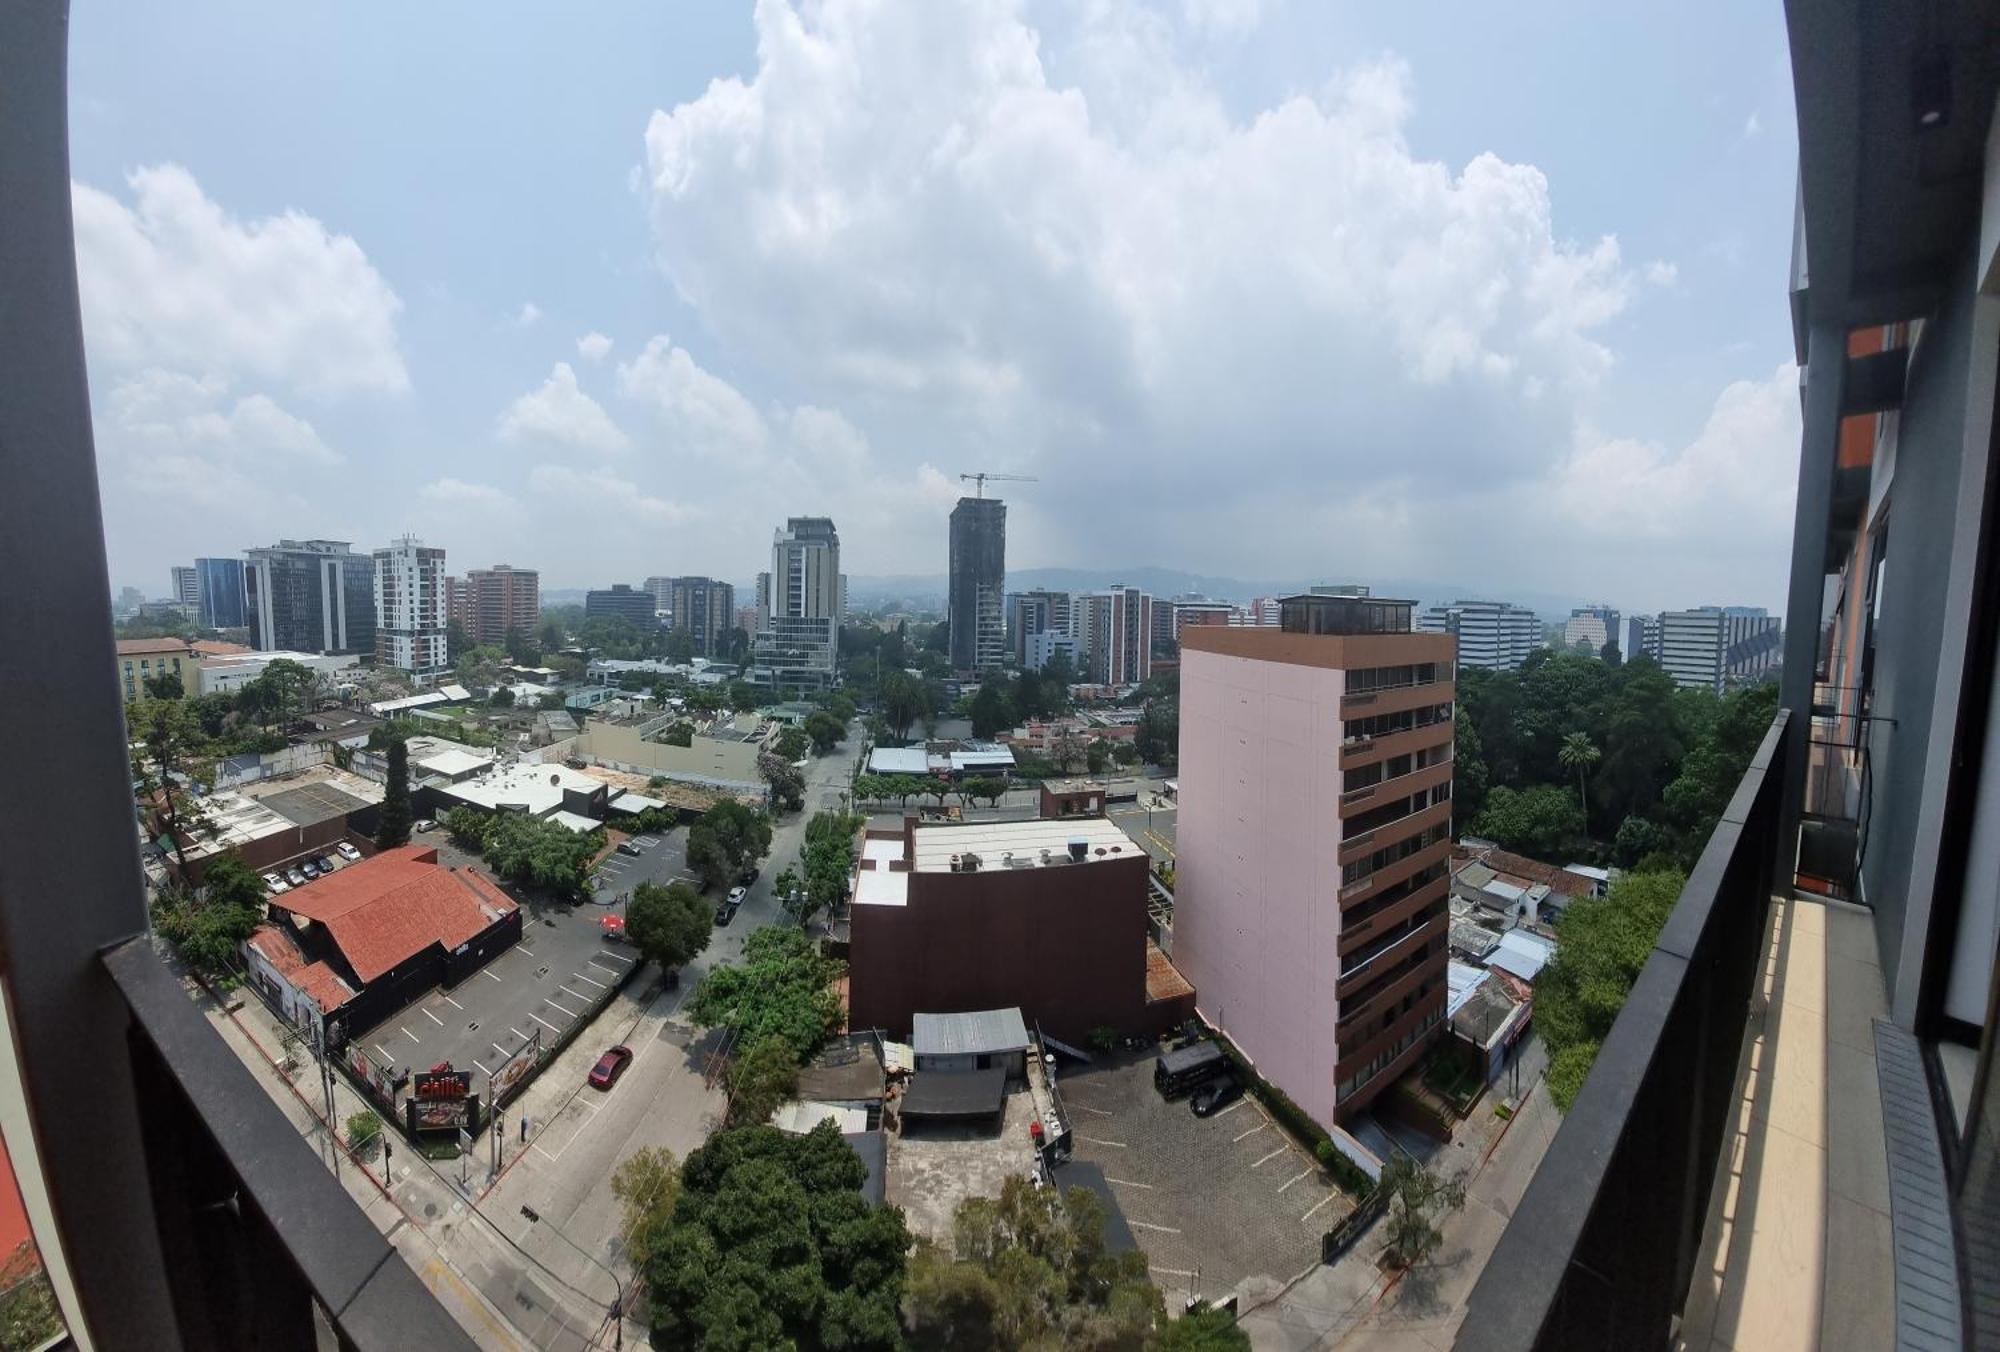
x=1591, y=627
x=976, y=583
x=410, y=609
x=621, y=600
x=219, y=593
x=1118, y=635
x=186, y=589
x=493, y=602
x=1035, y=612
x=1315, y=779
x=1641, y=637
x=310, y=596
x=801, y=603
x=1712, y=647
x=704, y=608
x=1495, y=635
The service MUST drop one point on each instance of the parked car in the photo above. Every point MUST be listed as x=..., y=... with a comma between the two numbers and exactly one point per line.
x=426, y=824
x=276, y=884
x=322, y=863
x=1212, y=1098
x=627, y=847
x=736, y=896
x=749, y=876
x=309, y=868
x=295, y=878
x=610, y=1066
x=724, y=912
x=347, y=850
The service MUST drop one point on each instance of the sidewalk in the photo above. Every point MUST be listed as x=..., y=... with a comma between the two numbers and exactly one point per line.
x=1353, y=1304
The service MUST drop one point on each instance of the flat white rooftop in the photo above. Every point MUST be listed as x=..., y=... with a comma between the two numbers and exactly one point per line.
x=536, y=788
x=993, y=841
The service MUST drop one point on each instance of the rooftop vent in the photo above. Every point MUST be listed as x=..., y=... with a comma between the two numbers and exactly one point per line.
x=972, y=862
x=1079, y=850
x=1045, y=854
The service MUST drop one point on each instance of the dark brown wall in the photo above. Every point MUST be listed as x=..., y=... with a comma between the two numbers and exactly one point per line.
x=1065, y=942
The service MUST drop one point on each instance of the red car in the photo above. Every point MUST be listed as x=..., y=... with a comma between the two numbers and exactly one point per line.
x=609, y=1067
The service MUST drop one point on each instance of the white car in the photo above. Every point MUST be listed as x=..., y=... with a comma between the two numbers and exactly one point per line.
x=347, y=851
x=736, y=895
x=276, y=884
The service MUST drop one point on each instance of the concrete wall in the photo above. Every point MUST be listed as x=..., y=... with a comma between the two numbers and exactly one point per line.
x=1066, y=943
x=709, y=761
x=1257, y=882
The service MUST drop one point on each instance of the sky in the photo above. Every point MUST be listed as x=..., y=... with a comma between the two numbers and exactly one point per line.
x=1488, y=295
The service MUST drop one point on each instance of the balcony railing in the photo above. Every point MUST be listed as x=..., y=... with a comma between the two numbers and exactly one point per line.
x=1602, y=1248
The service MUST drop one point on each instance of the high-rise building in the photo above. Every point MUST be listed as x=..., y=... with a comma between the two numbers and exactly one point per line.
x=500, y=600
x=1120, y=643
x=621, y=600
x=1711, y=647
x=219, y=593
x=457, y=603
x=801, y=606
x=977, y=578
x=704, y=608
x=1036, y=612
x=1044, y=646
x=1496, y=635
x=410, y=609
x=1592, y=627
x=663, y=593
x=1311, y=908
x=1261, y=613
x=310, y=596
x=1186, y=613
x=187, y=589
x=1641, y=638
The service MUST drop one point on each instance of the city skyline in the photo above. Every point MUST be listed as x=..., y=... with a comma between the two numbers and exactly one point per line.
x=1602, y=355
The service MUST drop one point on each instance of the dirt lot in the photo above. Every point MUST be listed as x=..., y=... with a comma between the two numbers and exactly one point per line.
x=934, y=1168
x=1210, y=1200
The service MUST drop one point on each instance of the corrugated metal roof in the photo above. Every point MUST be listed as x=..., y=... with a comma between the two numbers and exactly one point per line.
x=1522, y=954
x=973, y=1033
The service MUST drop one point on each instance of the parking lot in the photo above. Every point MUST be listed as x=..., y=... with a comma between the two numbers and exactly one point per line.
x=662, y=859
x=555, y=976
x=1213, y=1200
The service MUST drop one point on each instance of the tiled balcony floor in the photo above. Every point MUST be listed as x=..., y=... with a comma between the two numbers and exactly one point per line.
x=1798, y=1249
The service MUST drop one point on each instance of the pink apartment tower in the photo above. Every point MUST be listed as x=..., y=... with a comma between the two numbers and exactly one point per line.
x=1311, y=888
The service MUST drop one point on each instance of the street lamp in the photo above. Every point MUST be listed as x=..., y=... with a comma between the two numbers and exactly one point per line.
x=618, y=1306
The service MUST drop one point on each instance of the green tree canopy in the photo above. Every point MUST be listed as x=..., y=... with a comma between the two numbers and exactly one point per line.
x=788, y=784
x=761, y=1077
x=668, y=924
x=1543, y=821
x=1602, y=942
x=392, y=822
x=172, y=762
x=782, y=988
x=726, y=840
x=647, y=1184
x=825, y=731
x=771, y=1245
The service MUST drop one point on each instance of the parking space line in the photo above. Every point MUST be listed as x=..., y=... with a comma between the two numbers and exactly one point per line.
x=545, y=1023
x=498, y=1050
x=385, y=1051
x=567, y=1011
x=434, y=1018
x=1085, y=1107
x=517, y=1033
x=599, y=984
x=453, y=1003
x=574, y=995
x=1273, y=1155
x=1126, y=1182
x=1232, y=1107
x=482, y=1069
x=1147, y=1225
x=525, y=949
x=1116, y=1145
x=488, y=973
x=1317, y=1205
x=1173, y=1272
x=1252, y=1132
x=1301, y=1174
x=411, y=1036
x=614, y=957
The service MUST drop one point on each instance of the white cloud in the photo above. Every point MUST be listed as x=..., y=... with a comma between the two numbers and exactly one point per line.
x=699, y=411
x=1227, y=17
x=1659, y=272
x=173, y=280
x=458, y=493
x=159, y=411
x=559, y=411
x=613, y=501
x=593, y=346
x=905, y=213
x=1752, y=125
x=529, y=315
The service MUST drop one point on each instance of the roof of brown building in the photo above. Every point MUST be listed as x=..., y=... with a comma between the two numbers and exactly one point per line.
x=1535, y=871
x=387, y=909
x=137, y=647
x=315, y=980
x=215, y=647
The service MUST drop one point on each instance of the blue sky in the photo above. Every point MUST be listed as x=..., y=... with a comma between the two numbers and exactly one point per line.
x=1488, y=295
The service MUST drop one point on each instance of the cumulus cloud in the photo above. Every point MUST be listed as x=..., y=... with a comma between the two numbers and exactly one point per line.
x=173, y=280
x=903, y=208
x=615, y=501
x=1659, y=272
x=529, y=315
x=700, y=410
x=450, y=492
x=593, y=346
x=559, y=411
x=168, y=411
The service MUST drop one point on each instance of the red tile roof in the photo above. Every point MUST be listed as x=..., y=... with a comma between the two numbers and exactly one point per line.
x=385, y=910
x=215, y=647
x=1558, y=879
x=314, y=980
x=138, y=647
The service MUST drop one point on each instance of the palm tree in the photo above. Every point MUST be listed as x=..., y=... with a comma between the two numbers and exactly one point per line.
x=1579, y=753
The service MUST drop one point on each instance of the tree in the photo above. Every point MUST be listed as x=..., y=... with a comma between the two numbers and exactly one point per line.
x=726, y=840
x=502, y=698
x=1066, y=748
x=1030, y=1269
x=469, y=827
x=1159, y=734
x=165, y=685
x=825, y=731
x=782, y=988
x=172, y=762
x=1204, y=1329
x=670, y=924
x=826, y=865
x=1418, y=1198
x=208, y=926
x=680, y=733
x=551, y=634
x=743, y=697
x=760, y=1080
x=1468, y=771
x=788, y=786
x=991, y=789
x=1603, y=942
x=646, y=1183
x=392, y=823
x=541, y=853
x=456, y=640
x=771, y=1245
x=991, y=713
x=680, y=647
x=363, y=1130
x=1096, y=756
x=1541, y=821
x=790, y=891
x=1579, y=753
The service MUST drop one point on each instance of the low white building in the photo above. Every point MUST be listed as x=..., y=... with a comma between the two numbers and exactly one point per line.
x=232, y=671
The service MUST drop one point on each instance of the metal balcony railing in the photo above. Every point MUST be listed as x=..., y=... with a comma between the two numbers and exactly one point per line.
x=1602, y=1249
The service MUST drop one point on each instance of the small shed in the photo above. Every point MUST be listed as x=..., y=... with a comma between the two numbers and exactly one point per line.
x=983, y=1039
x=1522, y=954
x=955, y=1095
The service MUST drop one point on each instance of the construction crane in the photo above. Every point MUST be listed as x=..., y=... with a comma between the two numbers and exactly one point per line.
x=979, y=480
